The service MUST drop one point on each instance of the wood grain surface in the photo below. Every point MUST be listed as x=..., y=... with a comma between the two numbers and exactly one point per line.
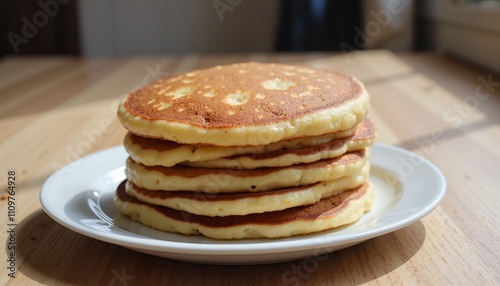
x=54, y=110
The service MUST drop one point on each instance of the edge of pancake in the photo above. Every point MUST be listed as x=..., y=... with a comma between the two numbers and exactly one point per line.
x=325, y=121
x=338, y=210
x=246, y=203
x=286, y=157
x=291, y=122
x=208, y=180
x=158, y=152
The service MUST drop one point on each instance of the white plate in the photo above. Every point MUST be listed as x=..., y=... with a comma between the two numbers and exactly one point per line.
x=80, y=197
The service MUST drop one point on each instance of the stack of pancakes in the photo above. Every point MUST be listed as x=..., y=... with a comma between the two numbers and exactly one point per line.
x=247, y=150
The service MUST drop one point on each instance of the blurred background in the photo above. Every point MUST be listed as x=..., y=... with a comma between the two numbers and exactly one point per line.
x=466, y=29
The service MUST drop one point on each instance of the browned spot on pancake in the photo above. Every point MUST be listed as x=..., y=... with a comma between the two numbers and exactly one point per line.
x=188, y=172
x=225, y=97
x=328, y=207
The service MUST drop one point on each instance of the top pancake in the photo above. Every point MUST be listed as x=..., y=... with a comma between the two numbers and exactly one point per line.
x=247, y=104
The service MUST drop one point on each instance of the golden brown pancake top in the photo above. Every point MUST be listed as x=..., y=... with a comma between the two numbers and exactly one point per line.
x=242, y=95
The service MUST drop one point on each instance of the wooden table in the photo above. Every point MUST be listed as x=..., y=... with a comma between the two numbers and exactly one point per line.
x=442, y=109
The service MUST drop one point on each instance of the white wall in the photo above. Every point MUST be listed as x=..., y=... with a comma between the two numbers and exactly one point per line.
x=466, y=30
x=130, y=27
x=125, y=27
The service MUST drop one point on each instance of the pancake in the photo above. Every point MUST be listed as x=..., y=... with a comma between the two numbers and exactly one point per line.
x=363, y=137
x=246, y=203
x=247, y=104
x=156, y=152
x=246, y=151
x=338, y=210
x=208, y=180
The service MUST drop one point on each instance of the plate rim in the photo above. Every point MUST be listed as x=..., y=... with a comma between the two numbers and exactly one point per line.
x=234, y=249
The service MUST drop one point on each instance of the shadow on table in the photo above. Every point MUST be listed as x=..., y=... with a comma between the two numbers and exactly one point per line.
x=51, y=254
